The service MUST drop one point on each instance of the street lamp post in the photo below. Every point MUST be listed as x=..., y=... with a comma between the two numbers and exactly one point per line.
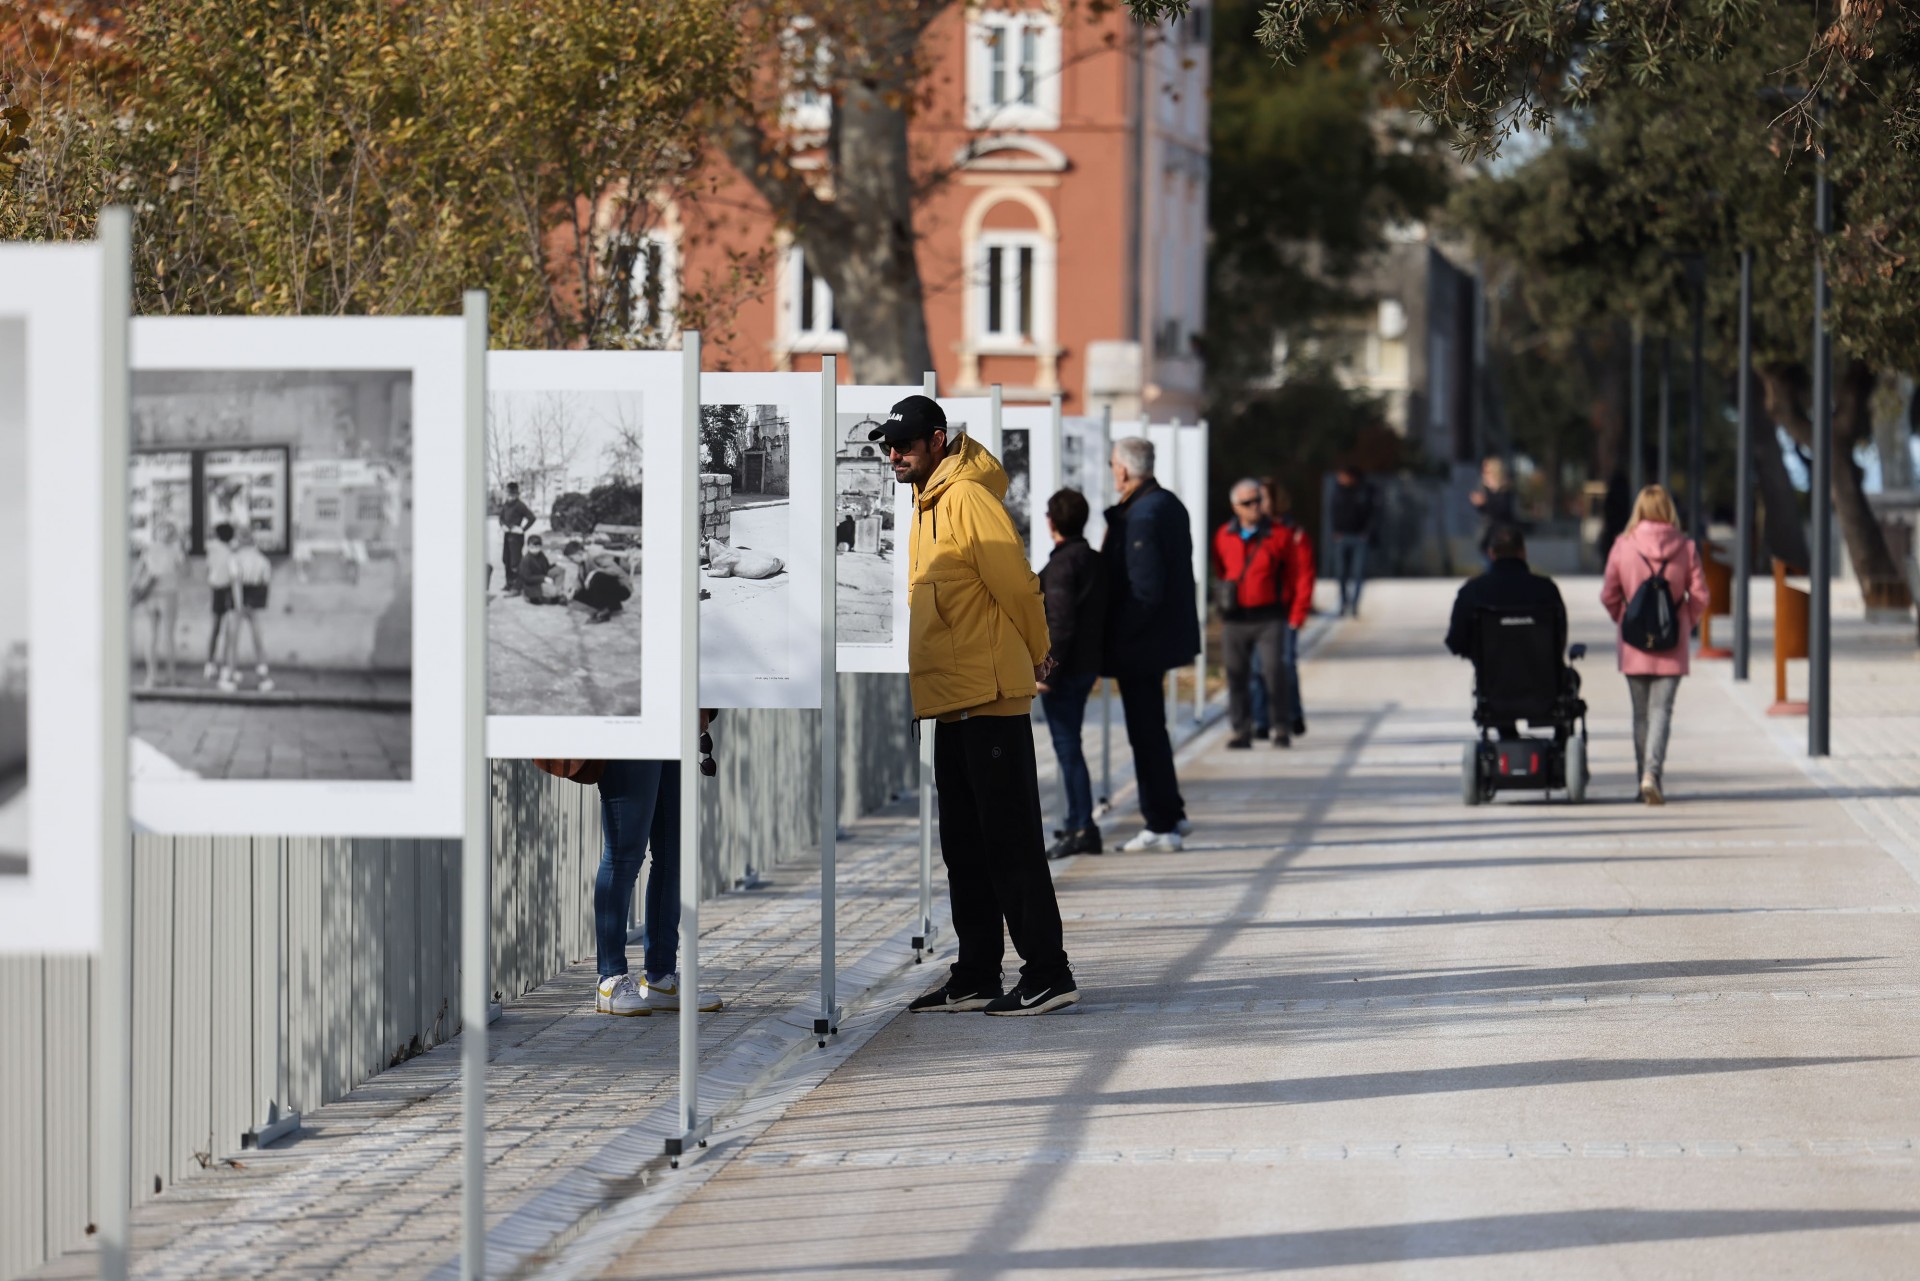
x=1743, y=481
x=1820, y=604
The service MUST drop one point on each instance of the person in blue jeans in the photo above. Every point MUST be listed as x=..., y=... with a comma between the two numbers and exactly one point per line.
x=1353, y=510
x=639, y=809
x=1075, y=587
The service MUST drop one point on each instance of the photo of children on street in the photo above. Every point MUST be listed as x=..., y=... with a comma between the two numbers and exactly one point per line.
x=272, y=574
x=14, y=535
x=564, y=544
x=1016, y=457
x=746, y=539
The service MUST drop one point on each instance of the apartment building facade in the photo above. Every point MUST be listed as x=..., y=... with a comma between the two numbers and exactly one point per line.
x=1064, y=251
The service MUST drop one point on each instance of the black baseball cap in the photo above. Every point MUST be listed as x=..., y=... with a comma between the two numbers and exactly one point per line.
x=908, y=421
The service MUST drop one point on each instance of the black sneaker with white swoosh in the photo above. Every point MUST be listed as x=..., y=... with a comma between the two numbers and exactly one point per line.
x=1036, y=1000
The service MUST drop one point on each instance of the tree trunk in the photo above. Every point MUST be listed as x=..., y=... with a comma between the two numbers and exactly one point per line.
x=1783, y=529
x=869, y=258
x=1788, y=395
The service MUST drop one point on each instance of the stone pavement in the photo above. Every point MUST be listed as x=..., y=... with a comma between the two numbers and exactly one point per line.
x=255, y=738
x=1360, y=1029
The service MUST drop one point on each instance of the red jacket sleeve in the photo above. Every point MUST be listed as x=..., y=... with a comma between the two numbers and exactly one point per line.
x=1300, y=579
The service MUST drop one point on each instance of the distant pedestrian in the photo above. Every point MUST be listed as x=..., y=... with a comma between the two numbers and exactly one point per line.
x=1275, y=692
x=1152, y=628
x=1075, y=588
x=1353, y=516
x=1495, y=503
x=1254, y=580
x=1654, y=568
x=220, y=588
x=978, y=649
x=516, y=518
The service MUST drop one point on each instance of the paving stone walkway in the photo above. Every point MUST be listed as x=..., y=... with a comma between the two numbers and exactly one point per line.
x=1362, y=1031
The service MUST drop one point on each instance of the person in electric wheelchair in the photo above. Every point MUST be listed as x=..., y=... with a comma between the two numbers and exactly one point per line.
x=1512, y=624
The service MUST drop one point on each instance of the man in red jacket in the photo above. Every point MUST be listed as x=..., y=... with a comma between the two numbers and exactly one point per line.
x=1264, y=578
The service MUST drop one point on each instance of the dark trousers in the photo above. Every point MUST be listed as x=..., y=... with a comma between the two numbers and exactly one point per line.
x=1239, y=641
x=1065, y=704
x=996, y=859
x=603, y=591
x=1270, y=683
x=1350, y=560
x=639, y=808
x=1143, y=697
x=510, y=547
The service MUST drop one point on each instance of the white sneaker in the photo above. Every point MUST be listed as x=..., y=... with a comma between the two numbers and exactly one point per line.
x=1183, y=828
x=1650, y=791
x=212, y=670
x=618, y=995
x=663, y=994
x=1154, y=842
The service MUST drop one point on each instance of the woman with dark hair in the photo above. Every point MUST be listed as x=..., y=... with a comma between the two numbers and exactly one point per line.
x=1075, y=589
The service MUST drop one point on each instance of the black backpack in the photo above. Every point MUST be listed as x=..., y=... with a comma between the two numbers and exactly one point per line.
x=1651, y=622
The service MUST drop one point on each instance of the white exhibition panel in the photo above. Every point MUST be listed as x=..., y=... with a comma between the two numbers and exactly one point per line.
x=1043, y=471
x=602, y=398
x=1192, y=449
x=170, y=799
x=1083, y=466
x=760, y=638
x=886, y=651
x=968, y=416
x=52, y=471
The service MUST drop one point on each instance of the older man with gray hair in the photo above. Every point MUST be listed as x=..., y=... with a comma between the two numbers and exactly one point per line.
x=1254, y=587
x=1152, y=628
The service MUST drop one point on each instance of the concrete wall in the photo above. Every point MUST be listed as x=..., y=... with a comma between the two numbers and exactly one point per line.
x=372, y=959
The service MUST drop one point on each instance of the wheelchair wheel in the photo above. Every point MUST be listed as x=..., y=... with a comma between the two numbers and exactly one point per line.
x=1470, y=792
x=1577, y=768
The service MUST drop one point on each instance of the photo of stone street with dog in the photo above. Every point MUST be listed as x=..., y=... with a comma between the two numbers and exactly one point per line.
x=746, y=534
x=564, y=544
x=865, y=542
x=272, y=574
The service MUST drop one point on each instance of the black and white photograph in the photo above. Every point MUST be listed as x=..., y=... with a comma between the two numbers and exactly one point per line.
x=873, y=519
x=759, y=552
x=1031, y=458
x=1083, y=466
x=271, y=519
x=15, y=535
x=288, y=600
x=1016, y=456
x=54, y=684
x=565, y=540
x=583, y=555
x=746, y=539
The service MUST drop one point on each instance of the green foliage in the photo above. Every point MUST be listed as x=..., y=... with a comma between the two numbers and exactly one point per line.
x=359, y=156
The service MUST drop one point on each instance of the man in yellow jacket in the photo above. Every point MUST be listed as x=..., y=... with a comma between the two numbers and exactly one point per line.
x=976, y=650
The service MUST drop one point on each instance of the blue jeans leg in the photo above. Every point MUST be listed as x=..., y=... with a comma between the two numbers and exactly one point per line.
x=1257, y=696
x=1350, y=561
x=1295, y=713
x=1065, y=705
x=631, y=812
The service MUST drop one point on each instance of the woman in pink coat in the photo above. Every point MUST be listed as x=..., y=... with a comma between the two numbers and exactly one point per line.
x=1653, y=543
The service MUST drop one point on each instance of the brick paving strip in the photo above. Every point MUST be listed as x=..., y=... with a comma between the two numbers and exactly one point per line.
x=577, y=1103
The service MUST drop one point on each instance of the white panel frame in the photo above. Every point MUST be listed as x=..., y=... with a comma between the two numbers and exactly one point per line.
x=800, y=686
x=433, y=349
x=59, y=292
x=660, y=378
x=869, y=656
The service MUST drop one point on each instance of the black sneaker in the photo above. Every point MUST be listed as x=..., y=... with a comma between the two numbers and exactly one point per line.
x=1035, y=1000
x=1300, y=727
x=1240, y=742
x=1281, y=738
x=1067, y=846
x=948, y=999
x=1089, y=838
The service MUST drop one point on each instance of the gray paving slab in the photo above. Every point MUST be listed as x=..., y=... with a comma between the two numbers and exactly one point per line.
x=1359, y=1030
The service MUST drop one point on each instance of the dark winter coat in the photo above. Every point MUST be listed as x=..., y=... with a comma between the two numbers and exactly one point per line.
x=1507, y=584
x=1353, y=509
x=1153, y=622
x=1075, y=586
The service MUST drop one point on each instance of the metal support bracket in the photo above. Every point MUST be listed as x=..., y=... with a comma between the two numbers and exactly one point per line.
x=680, y=1145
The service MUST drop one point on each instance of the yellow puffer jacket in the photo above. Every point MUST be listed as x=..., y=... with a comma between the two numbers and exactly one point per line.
x=979, y=621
